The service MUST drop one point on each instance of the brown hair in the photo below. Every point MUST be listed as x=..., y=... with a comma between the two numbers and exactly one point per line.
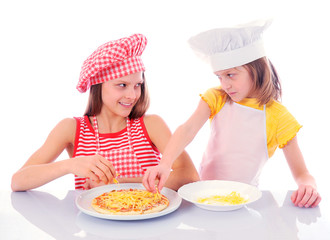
x=266, y=83
x=95, y=101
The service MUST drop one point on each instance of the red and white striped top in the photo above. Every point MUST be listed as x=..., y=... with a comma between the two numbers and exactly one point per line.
x=86, y=145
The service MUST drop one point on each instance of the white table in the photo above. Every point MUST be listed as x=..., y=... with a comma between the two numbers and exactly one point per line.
x=43, y=215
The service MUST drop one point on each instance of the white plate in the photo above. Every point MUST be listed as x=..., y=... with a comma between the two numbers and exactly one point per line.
x=192, y=191
x=84, y=200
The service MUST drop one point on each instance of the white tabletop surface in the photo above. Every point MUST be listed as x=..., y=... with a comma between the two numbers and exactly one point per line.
x=44, y=215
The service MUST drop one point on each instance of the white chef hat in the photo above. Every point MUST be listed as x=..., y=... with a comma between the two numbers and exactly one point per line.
x=225, y=48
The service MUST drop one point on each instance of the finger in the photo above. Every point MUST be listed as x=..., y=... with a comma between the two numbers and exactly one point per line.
x=318, y=200
x=294, y=197
x=99, y=174
x=106, y=174
x=92, y=176
x=300, y=195
x=145, y=181
x=306, y=197
x=109, y=165
x=151, y=181
x=312, y=199
x=161, y=182
x=101, y=171
x=107, y=168
x=86, y=184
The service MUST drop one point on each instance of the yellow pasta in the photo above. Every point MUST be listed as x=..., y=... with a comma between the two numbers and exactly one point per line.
x=231, y=199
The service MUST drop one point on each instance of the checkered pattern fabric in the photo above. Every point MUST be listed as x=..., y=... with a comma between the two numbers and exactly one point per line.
x=113, y=60
x=123, y=160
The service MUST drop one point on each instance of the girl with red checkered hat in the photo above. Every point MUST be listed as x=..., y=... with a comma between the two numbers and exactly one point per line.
x=114, y=138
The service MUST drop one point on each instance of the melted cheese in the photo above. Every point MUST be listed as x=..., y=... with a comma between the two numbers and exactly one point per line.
x=129, y=200
x=231, y=199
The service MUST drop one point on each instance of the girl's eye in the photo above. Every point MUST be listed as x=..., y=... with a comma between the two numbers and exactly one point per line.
x=138, y=85
x=122, y=85
x=230, y=75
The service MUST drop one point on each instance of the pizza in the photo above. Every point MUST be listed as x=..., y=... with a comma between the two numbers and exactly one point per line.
x=129, y=202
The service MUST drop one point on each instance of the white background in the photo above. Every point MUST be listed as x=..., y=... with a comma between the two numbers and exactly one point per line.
x=44, y=43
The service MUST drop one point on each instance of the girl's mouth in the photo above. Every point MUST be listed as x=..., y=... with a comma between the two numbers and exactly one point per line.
x=126, y=104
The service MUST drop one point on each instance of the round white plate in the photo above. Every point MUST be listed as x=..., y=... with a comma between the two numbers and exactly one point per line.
x=192, y=191
x=84, y=200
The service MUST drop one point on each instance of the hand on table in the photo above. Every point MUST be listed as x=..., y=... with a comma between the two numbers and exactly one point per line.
x=306, y=196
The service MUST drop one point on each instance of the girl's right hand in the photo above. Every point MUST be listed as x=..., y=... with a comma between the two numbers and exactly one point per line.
x=95, y=167
x=158, y=173
x=306, y=196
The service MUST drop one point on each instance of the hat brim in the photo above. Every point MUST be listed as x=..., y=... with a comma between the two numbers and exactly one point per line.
x=237, y=57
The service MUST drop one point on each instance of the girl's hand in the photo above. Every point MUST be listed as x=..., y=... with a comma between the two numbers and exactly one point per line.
x=89, y=184
x=96, y=168
x=306, y=196
x=159, y=172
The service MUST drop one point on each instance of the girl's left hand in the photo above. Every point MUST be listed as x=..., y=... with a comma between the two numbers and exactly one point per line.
x=306, y=196
x=89, y=184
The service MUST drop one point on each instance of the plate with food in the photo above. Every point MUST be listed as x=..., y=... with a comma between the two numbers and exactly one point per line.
x=219, y=195
x=127, y=201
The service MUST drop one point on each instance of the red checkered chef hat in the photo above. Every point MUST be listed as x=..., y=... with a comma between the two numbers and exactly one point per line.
x=113, y=60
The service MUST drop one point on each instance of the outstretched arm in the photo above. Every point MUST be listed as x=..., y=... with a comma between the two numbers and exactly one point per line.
x=175, y=148
x=306, y=195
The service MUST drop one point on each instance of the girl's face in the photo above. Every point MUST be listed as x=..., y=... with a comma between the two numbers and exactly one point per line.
x=236, y=82
x=121, y=94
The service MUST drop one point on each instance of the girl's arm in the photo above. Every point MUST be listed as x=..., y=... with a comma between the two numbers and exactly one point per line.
x=306, y=195
x=183, y=168
x=175, y=147
x=40, y=168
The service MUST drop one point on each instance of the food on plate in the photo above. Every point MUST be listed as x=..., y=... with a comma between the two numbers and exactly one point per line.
x=129, y=202
x=231, y=199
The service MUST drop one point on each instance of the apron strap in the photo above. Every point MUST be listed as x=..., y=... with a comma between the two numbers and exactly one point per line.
x=97, y=135
x=129, y=133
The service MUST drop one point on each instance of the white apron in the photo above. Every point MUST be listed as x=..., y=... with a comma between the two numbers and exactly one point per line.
x=237, y=148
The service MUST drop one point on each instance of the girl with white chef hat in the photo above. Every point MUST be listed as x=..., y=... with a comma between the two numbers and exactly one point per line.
x=248, y=122
x=114, y=137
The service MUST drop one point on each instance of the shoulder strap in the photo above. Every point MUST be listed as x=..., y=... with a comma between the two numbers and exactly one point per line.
x=97, y=136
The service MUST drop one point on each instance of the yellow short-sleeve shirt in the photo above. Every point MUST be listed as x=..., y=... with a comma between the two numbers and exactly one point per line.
x=281, y=126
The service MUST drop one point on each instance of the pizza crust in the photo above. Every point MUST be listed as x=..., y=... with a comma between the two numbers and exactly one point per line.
x=157, y=205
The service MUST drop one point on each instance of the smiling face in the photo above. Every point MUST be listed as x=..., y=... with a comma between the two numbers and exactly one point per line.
x=236, y=82
x=120, y=95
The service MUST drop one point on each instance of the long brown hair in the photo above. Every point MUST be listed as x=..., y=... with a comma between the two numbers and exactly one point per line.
x=95, y=101
x=266, y=83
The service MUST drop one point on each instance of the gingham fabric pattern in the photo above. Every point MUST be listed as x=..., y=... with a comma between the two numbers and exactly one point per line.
x=124, y=160
x=113, y=60
x=86, y=145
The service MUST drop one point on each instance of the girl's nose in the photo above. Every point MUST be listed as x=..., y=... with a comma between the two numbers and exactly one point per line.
x=131, y=94
x=225, y=84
